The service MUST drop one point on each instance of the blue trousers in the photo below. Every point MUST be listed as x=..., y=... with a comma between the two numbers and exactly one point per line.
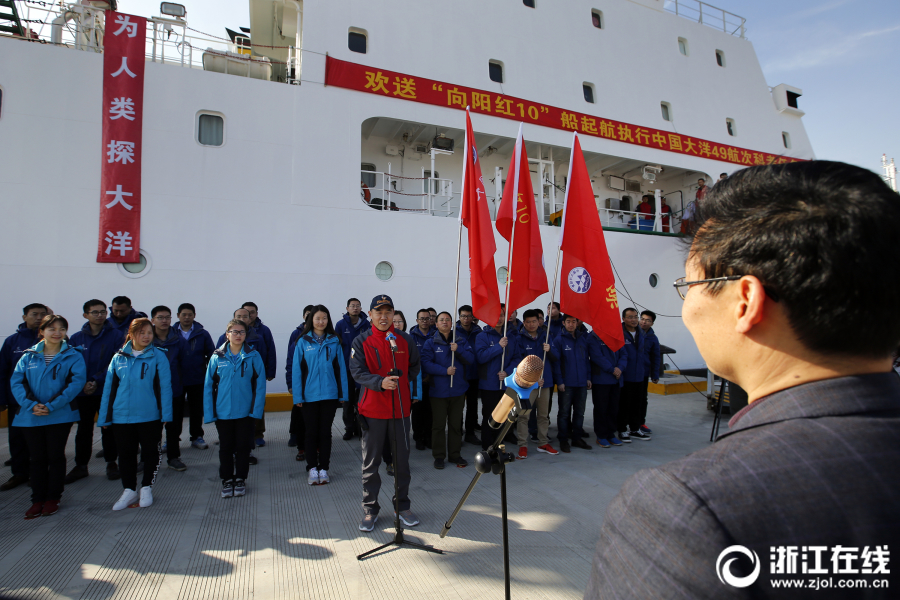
x=570, y=418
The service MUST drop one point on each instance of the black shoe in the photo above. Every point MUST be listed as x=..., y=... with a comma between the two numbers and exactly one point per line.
x=477, y=427
x=301, y=456
x=439, y=463
x=471, y=438
x=420, y=445
x=639, y=435
x=13, y=482
x=584, y=434
x=534, y=437
x=253, y=460
x=177, y=465
x=99, y=454
x=459, y=462
x=580, y=443
x=564, y=446
x=293, y=441
x=7, y=463
x=75, y=474
x=390, y=470
x=348, y=435
x=140, y=468
x=112, y=471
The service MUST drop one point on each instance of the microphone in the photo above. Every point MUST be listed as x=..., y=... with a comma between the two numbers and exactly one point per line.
x=392, y=339
x=519, y=384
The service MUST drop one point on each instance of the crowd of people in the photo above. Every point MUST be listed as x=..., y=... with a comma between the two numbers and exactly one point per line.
x=134, y=376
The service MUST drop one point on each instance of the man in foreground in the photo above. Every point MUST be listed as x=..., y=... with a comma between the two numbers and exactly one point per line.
x=785, y=269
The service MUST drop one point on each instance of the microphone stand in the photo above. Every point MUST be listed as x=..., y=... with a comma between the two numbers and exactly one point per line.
x=494, y=460
x=398, y=540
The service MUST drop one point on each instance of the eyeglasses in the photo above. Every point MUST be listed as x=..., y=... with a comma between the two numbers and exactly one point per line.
x=98, y=313
x=160, y=318
x=236, y=332
x=681, y=283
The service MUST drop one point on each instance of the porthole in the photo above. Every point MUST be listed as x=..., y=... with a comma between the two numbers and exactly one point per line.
x=501, y=275
x=654, y=280
x=138, y=269
x=384, y=271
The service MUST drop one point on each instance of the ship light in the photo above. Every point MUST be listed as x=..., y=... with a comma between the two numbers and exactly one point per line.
x=442, y=143
x=173, y=10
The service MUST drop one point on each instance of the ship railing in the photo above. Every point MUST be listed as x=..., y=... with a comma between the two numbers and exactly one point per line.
x=709, y=15
x=638, y=221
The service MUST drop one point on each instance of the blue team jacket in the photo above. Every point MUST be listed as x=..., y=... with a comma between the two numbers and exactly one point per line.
x=471, y=371
x=531, y=346
x=347, y=332
x=174, y=345
x=574, y=364
x=97, y=351
x=198, y=349
x=436, y=359
x=604, y=361
x=13, y=348
x=488, y=353
x=634, y=350
x=257, y=341
x=651, y=355
x=234, y=389
x=269, y=357
x=319, y=371
x=137, y=389
x=55, y=385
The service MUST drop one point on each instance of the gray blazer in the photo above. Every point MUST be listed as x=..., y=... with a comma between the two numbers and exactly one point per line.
x=814, y=465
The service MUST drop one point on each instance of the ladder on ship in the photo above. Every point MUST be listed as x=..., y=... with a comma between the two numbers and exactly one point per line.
x=9, y=18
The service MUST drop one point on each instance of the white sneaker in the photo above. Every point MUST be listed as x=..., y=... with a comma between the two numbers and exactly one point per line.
x=323, y=476
x=313, y=478
x=146, y=496
x=128, y=497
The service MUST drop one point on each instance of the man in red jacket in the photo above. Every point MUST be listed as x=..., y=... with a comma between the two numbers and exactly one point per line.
x=384, y=405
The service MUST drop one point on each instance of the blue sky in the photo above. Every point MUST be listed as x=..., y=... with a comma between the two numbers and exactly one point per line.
x=842, y=53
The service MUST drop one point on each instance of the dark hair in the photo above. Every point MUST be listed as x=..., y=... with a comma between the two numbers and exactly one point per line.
x=122, y=300
x=431, y=309
x=50, y=320
x=237, y=309
x=422, y=310
x=650, y=314
x=307, y=308
x=818, y=235
x=30, y=307
x=443, y=312
x=159, y=309
x=539, y=312
x=531, y=312
x=253, y=304
x=556, y=304
x=352, y=299
x=567, y=316
x=136, y=325
x=466, y=308
x=186, y=305
x=87, y=305
x=308, y=324
x=630, y=308
x=723, y=174
x=234, y=322
x=402, y=316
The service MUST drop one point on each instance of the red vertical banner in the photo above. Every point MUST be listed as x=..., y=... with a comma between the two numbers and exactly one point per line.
x=123, y=108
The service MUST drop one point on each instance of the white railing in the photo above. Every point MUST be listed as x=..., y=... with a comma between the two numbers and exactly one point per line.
x=709, y=15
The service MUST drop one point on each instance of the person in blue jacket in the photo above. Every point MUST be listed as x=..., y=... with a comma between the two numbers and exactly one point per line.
x=198, y=348
x=122, y=314
x=651, y=360
x=448, y=390
x=13, y=347
x=493, y=367
x=173, y=343
x=45, y=383
x=573, y=381
x=99, y=341
x=606, y=378
x=532, y=341
x=137, y=400
x=629, y=419
x=234, y=396
x=320, y=383
x=270, y=359
x=467, y=330
x=421, y=411
x=297, y=428
x=351, y=325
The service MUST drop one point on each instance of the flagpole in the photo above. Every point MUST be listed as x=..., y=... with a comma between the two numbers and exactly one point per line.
x=462, y=198
x=512, y=238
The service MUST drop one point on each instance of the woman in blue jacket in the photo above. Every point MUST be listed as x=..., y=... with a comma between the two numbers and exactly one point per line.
x=319, y=384
x=234, y=396
x=447, y=401
x=137, y=400
x=46, y=380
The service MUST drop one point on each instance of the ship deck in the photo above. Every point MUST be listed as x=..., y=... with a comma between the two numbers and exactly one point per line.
x=286, y=539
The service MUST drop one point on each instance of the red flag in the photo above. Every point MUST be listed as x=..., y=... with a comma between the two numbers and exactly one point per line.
x=476, y=217
x=526, y=279
x=588, y=289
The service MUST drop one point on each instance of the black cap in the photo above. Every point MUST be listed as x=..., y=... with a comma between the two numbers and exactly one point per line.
x=380, y=301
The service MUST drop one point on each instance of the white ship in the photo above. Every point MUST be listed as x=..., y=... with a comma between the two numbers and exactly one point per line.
x=255, y=146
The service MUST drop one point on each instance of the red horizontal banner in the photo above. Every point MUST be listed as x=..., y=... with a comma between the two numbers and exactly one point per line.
x=123, y=110
x=352, y=76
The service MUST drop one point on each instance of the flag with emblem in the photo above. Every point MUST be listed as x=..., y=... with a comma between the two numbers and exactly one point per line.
x=519, y=223
x=588, y=288
x=476, y=218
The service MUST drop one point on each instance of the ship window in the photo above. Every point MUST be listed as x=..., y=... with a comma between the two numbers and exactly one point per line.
x=720, y=58
x=792, y=99
x=683, y=46
x=368, y=178
x=495, y=70
x=356, y=41
x=588, y=89
x=138, y=269
x=786, y=139
x=384, y=270
x=597, y=19
x=434, y=184
x=528, y=3
x=666, y=109
x=1, y=101
x=211, y=130
x=654, y=279
x=502, y=272
x=732, y=129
